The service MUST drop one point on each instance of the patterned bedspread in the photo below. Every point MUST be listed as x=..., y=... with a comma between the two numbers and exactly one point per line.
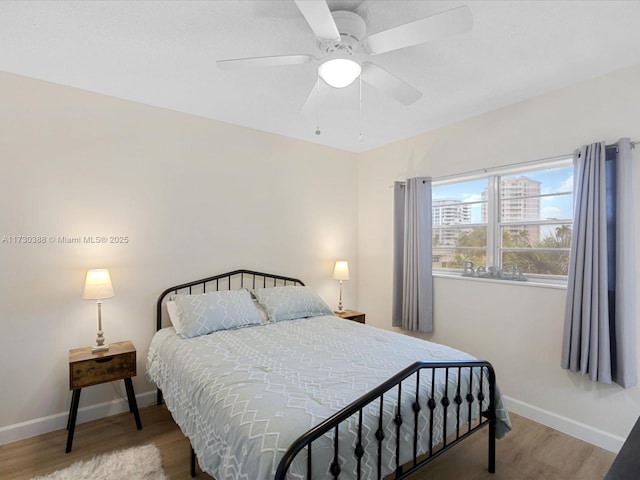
x=243, y=396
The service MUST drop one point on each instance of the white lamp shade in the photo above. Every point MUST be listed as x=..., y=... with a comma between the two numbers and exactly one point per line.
x=339, y=72
x=97, y=285
x=341, y=270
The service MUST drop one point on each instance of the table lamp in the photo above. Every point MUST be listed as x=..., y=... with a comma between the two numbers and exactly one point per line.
x=97, y=286
x=341, y=272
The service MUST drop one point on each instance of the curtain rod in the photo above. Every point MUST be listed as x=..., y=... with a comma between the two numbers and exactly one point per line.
x=633, y=144
x=507, y=165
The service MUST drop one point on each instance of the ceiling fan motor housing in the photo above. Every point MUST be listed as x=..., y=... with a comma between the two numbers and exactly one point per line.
x=352, y=29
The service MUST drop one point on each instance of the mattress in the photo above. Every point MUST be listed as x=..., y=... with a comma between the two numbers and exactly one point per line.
x=243, y=396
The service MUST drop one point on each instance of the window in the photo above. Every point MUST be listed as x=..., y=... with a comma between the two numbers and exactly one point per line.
x=514, y=224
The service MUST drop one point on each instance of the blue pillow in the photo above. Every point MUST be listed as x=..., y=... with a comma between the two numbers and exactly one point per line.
x=209, y=312
x=289, y=303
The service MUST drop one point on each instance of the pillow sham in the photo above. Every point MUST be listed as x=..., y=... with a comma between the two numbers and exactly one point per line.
x=205, y=313
x=291, y=302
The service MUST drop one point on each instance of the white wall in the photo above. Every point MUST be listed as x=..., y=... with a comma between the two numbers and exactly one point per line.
x=195, y=197
x=518, y=328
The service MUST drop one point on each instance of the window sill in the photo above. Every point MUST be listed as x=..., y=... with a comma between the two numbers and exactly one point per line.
x=528, y=283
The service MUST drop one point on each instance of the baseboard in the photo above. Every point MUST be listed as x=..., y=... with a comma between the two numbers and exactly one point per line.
x=597, y=437
x=51, y=423
x=38, y=426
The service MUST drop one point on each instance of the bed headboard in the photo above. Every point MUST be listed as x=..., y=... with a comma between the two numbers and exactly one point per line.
x=224, y=281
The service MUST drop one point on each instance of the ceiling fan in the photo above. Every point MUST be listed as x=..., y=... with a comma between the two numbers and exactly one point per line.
x=345, y=47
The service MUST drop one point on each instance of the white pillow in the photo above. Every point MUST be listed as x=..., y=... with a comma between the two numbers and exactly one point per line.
x=289, y=303
x=172, y=310
x=204, y=313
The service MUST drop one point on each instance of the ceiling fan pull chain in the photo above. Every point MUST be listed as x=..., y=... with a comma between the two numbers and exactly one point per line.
x=318, y=132
x=360, y=106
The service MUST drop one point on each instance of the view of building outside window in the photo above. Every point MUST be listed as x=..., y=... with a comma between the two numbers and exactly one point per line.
x=519, y=200
x=523, y=223
x=459, y=232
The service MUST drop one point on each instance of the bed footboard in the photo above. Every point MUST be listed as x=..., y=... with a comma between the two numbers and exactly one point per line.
x=465, y=391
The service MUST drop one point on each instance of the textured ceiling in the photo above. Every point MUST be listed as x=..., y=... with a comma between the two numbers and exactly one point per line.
x=163, y=53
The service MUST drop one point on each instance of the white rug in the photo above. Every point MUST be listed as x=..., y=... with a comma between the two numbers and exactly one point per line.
x=137, y=463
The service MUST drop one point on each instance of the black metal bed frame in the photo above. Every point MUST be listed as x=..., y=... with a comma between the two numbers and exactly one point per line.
x=455, y=401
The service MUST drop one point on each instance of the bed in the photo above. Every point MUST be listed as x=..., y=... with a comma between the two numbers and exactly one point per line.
x=268, y=384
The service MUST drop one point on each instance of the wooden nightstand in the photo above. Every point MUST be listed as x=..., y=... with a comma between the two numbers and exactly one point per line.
x=87, y=368
x=351, y=315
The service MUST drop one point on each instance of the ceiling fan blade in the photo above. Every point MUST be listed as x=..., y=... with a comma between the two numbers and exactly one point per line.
x=390, y=84
x=260, y=62
x=451, y=22
x=317, y=95
x=318, y=16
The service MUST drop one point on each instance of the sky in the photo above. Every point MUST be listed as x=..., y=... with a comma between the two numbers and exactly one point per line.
x=553, y=180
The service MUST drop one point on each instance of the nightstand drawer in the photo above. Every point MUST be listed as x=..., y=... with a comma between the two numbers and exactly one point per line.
x=103, y=369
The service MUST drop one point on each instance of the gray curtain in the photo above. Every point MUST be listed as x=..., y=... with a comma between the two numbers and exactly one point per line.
x=412, y=280
x=600, y=332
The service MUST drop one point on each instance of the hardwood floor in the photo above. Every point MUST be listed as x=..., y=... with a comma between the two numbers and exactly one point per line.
x=530, y=452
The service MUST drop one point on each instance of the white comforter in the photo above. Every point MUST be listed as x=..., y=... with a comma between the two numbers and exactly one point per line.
x=243, y=396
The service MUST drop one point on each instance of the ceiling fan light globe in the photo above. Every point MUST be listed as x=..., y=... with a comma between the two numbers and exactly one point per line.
x=339, y=72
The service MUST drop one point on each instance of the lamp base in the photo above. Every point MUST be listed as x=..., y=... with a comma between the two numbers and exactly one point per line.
x=340, y=310
x=99, y=348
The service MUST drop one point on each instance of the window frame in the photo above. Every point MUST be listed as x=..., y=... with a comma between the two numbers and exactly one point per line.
x=494, y=225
